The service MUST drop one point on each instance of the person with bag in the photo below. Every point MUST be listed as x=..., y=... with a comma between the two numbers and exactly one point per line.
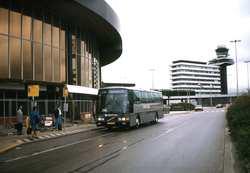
x=20, y=121
x=34, y=118
x=58, y=116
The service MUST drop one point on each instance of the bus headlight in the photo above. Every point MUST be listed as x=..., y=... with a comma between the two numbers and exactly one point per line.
x=100, y=119
x=123, y=119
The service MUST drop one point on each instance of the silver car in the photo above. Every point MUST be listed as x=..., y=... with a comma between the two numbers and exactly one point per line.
x=198, y=108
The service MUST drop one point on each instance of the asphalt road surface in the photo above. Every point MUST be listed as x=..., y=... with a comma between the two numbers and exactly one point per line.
x=177, y=143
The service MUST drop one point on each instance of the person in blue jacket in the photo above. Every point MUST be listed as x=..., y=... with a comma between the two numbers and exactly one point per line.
x=34, y=115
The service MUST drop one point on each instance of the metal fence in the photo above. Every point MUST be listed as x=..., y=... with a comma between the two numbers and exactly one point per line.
x=74, y=111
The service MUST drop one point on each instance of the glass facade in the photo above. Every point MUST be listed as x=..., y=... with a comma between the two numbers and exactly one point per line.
x=85, y=58
x=29, y=39
x=33, y=46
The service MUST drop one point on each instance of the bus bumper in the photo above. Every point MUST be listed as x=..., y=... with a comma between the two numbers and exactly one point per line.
x=99, y=123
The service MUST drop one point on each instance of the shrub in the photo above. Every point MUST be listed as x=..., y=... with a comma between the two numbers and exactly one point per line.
x=238, y=119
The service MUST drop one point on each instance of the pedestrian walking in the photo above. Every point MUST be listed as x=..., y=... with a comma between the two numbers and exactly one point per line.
x=58, y=116
x=20, y=121
x=34, y=118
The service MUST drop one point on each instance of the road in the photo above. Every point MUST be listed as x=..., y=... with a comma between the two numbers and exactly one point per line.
x=177, y=143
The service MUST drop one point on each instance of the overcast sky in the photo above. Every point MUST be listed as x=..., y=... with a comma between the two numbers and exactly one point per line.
x=155, y=33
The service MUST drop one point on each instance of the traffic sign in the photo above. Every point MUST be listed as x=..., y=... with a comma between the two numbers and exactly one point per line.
x=65, y=92
x=33, y=90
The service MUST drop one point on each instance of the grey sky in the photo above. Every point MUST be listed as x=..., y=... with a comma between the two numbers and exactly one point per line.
x=154, y=33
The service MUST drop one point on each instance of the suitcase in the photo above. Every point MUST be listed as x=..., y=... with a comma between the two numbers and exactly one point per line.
x=59, y=127
x=29, y=131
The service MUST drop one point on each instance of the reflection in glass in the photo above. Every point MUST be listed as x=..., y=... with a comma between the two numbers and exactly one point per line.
x=82, y=48
x=4, y=18
x=48, y=63
x=27, y=20
x=38, y=30
x=90, y=72
x=74, y=68
x=83, y=71
x=78, y=70
x=78, y=40
x=55, y=30
x=27, y=60
x=38, y=26
x=73, y=39
x=4, y=57
x=62, y=34
x=63, y=66
x=15, y=57
x=87, y=72
x=27, y=27
x=15, y=23
x=38, y=58
x=56, y=64
x=47, y=27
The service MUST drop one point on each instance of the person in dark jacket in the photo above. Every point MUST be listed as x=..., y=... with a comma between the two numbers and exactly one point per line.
x=34, y=115
x=20, y=121
x=58, y=115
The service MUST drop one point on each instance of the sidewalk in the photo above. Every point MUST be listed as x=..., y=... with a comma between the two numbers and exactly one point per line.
x=7, y=142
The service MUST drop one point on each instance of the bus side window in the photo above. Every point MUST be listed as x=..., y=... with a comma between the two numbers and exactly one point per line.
x=155, y=98
x=159, y=97
x=150, y=97
x=136, y=97
x=144, y=97
x=131, y=100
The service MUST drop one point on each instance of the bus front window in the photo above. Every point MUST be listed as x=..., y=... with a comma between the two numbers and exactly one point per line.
x=113, y=101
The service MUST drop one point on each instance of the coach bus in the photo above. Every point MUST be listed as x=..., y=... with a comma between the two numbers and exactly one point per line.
x=120, y=106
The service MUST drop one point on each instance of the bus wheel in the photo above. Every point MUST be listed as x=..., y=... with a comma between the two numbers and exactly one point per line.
x=156, y=119
x=137, y=122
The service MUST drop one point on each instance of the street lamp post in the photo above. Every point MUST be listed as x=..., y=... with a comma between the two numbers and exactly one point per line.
x=247, y=74
x=235, y=41
x=230, y=88
x=152, y=78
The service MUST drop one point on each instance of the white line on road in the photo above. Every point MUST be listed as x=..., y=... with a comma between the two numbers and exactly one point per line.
x=45, y=151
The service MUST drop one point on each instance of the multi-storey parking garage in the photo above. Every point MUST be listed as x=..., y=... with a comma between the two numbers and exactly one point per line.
x=53, y=43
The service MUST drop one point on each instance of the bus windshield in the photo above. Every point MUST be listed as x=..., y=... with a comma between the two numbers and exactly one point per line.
x=113, y=101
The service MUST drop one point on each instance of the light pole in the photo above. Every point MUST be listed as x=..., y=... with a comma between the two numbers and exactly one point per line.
x=247, y=74
x=152, y=78
x=235, y=41
x=230, y=88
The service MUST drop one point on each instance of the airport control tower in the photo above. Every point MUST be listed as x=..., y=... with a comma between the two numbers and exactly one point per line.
x=223, y=61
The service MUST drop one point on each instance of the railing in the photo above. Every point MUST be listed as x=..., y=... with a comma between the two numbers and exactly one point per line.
x=79, y=111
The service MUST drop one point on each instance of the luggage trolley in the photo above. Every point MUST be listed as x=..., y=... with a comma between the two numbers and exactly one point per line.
x=48, y=123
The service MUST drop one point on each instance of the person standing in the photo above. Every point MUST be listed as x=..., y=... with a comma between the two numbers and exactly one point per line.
x=94, y=113
x=58, y=116
x=20, y=120
x=34, y=115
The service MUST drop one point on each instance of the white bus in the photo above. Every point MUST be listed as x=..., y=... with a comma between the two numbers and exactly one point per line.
x=120, y=106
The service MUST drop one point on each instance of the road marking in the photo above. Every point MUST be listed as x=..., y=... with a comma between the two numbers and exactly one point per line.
x=10, y=147
x=63, y=146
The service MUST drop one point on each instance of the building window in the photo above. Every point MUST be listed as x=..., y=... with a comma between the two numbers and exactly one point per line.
x=85, y=58
x=36, y=42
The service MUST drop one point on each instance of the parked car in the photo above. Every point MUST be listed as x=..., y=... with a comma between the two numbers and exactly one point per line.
x=198, y=108
x=219, y=106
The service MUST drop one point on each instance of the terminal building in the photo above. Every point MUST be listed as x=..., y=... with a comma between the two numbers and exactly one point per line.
x=207, y=79
x=53, y=44
x=186, y=74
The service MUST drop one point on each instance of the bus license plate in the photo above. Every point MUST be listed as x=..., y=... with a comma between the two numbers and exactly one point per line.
x=110, y=122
